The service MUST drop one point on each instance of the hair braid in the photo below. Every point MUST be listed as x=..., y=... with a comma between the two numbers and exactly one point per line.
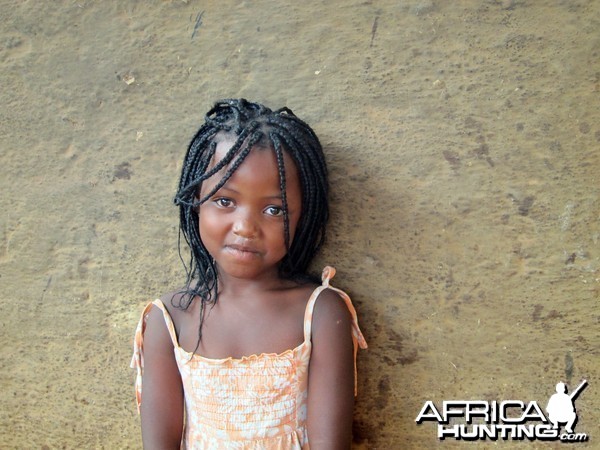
x=282, y=186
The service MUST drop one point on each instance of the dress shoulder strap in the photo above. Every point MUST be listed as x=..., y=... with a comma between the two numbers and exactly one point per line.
x=310, y=306
x=137, y=361
x=328, y=274
x=168, y=321
x=357, y=336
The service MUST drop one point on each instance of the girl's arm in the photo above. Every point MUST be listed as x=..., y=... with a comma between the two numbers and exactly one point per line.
x=331, y=375
x=162, y=392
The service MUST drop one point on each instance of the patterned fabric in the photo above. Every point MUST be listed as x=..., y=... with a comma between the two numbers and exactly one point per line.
x=254, y=402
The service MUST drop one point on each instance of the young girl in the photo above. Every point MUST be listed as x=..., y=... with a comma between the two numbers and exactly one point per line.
x=252, y=353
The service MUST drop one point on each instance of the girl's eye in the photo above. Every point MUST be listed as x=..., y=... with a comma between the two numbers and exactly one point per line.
x=224, y=202
x=274, y=211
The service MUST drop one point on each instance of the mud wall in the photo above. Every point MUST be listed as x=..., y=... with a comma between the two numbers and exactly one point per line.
x=463, y=139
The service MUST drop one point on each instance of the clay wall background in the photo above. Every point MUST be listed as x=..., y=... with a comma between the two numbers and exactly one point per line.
x=463, y=141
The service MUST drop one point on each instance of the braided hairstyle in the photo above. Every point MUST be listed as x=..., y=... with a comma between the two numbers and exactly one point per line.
x=250, y=125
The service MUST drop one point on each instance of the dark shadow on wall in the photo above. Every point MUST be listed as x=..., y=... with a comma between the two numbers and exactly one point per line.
x=371, y=241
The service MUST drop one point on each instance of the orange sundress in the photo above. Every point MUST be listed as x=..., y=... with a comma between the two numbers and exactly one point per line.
x=254, y=402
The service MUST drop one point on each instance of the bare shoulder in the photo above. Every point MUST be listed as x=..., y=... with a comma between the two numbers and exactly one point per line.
x=170, y=299
x=331, y=307
x=175, y=304
x=156, y=334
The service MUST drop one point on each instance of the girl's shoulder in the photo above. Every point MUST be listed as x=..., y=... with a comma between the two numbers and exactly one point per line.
x=179, y=307
x=330, y=308
x=321, y=301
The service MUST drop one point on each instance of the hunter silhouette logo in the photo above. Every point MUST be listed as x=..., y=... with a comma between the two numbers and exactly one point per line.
x=509, y=419
x=561, y=406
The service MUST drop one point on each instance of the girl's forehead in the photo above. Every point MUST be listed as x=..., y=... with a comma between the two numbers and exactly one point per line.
x=260, y=161
x=225, y=142
x=258, y=174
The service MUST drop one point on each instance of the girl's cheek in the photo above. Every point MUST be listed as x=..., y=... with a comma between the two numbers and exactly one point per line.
x=208, y=220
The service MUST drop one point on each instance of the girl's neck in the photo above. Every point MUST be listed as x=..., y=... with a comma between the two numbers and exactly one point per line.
x=235, y=286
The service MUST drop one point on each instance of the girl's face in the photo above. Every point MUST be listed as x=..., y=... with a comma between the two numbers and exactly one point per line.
x=242, y=225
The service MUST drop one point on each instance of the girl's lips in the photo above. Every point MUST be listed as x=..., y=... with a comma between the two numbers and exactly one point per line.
x=242, y=252
x=242, y=248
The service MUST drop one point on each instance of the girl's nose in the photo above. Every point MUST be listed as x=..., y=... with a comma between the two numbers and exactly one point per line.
x=245, y=227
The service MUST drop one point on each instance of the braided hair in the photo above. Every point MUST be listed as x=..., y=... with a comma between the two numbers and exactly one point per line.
x=251, y=124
